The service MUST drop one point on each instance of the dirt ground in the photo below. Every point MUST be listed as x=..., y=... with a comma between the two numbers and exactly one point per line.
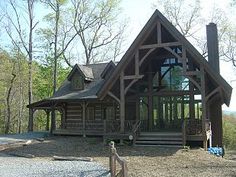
x=142, y=161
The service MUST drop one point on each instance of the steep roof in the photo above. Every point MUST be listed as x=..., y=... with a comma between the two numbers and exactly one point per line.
x=65, y=92
x=85, y=71
x=227, y=89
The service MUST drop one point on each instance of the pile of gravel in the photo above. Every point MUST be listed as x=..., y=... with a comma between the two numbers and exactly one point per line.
x=18, y=167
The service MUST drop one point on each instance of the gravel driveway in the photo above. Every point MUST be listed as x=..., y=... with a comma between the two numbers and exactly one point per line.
x=22, y=167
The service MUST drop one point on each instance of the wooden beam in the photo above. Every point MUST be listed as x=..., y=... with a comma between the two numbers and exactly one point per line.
x=133, y=77
x=113, y=96
x=122, y=103
x=83, y=117
x=212, y=93
x=159, y=32
x=191, y=73
x=145, y=56
x=194, y=82
x=137, y=63
x=184, y=59
x=204, y=113
x=130, y=84
x=31, y=120
x=168, y=44
x=150, y=97
x=174, y=53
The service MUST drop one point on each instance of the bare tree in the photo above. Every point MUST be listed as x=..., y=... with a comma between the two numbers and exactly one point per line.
x=185, y=15
x=58, y=50
x=96, y=25
x=8, y=100
x=16, y=23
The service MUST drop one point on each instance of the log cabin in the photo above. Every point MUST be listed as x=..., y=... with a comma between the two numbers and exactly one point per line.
x=161, y=92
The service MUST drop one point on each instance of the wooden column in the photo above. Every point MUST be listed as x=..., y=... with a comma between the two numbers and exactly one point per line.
x=48, y=119
x=137, y=108
x=204, y=112
x=215, y=112
x=63, y=118
x=150, y=102
x=191, y=95
x=31, y=120
x=84, y=117
x=122, y=103
x=53, y=120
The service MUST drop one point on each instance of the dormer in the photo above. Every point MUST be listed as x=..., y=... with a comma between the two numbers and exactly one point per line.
x=108, y=70
x=79, y=75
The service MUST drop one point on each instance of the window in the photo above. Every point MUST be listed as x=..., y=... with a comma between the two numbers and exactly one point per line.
x=77, y=82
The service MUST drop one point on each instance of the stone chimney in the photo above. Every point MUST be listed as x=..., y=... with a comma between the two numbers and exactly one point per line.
x=212, y=46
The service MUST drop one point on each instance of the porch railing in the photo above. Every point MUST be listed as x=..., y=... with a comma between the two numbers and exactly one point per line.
x=194, y=127
x=113, y=126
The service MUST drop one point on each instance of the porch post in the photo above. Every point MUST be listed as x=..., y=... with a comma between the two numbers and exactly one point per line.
x=150, y=103
x=83, y=117
x=204, y=113
x=53, y=120
x=122, y=103
x=48, y=119
x=31, y=120
x=137, y=108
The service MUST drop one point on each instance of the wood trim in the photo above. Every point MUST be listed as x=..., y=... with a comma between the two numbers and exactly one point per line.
x=194, y=82
x=212, y=93
x=159, y=32
x=137, y=63
x=122, y=102
x=133, y=77
x=174, y=53
x=168, y=44
x=113, y=96
x=145, y=56
x=191, y=73
x=130, y=84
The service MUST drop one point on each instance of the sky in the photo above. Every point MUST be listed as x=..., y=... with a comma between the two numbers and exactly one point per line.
x=139, y=11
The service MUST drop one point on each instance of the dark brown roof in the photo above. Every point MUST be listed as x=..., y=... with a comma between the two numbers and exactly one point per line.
x=90, y=87
x=85, y=71
x=227, y=89
x=65, y=92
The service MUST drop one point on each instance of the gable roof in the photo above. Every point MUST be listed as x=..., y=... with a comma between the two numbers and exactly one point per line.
x=109, y=68
x=85, y=71
x=227, y=89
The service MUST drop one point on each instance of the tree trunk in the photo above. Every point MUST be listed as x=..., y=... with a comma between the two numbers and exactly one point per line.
x=8, y=121
x=55, y=48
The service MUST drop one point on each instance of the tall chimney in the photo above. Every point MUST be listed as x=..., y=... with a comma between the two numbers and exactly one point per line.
x=212, y=46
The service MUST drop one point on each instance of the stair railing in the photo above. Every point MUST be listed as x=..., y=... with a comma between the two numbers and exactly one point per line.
x=184, y=132
x=136, y=130
x=114, y=157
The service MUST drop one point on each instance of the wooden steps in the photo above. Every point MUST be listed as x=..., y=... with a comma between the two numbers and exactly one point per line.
x=167, y=139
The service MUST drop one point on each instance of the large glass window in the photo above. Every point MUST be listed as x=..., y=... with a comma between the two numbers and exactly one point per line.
x=171, y=76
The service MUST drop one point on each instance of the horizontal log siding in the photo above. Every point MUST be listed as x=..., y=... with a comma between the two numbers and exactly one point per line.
x=74, y=116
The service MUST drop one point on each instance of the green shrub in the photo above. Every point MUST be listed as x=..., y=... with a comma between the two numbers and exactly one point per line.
x=229, y=131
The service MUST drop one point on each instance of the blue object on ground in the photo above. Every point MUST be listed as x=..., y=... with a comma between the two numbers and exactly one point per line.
x=218, y=151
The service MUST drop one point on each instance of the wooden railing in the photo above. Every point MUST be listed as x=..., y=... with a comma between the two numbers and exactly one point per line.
x=194, y=127
x=114, y=157
x=184, y=133
x=136, y=130
x=113, y=126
